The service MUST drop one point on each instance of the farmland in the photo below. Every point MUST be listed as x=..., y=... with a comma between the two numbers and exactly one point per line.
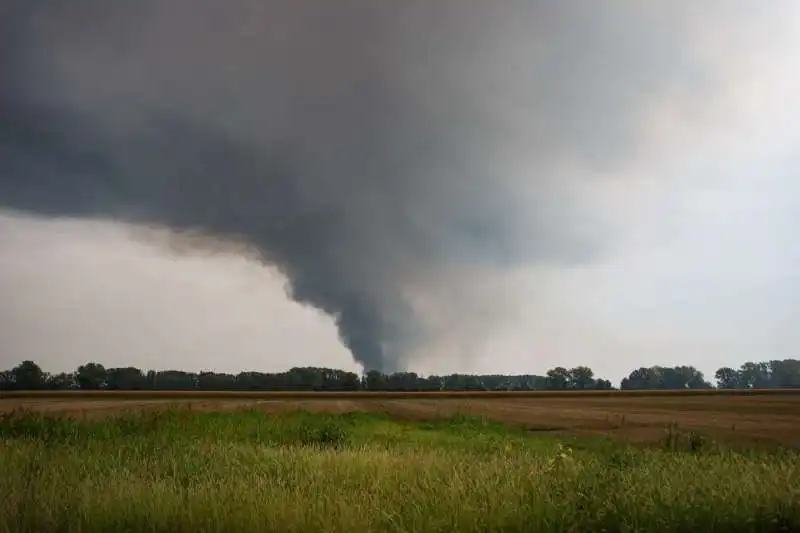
x=735, y=416
x=509, y=462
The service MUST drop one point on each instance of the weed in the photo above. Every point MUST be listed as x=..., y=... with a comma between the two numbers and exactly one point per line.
x=676, y=440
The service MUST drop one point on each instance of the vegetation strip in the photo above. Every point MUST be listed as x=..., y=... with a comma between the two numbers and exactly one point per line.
x=299, y=394
x=776, y=374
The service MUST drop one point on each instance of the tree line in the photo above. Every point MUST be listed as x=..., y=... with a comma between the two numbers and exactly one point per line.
x=28, y=375
x=764, y=375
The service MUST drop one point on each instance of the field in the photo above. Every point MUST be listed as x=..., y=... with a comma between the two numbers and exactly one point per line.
x=399, y=463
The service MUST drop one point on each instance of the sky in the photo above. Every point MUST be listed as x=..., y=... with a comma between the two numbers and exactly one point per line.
x=433, y=188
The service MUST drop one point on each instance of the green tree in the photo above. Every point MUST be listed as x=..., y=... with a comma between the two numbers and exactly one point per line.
x=755, y=375
x=728, y=378
x=6, y=380
x=64, y=380
x=350, y=381
x=558, y=378
x=126, y=378
x=28, y=376
x=167, y=380
x=684, y=377
x=215, y=381
x=581, y=377
x=643, y=378
x=434, y=382
x=375, y=380
x=91, y=376
x=785, y=373
x=603, y=384
x=696, y=379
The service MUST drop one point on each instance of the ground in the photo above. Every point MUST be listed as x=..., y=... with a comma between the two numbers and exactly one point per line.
x=339, y=463
x=639, y=418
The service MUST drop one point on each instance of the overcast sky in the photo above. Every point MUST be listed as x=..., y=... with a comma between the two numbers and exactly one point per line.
x=668, y=237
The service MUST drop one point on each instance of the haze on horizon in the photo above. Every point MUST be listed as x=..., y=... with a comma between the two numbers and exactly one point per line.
x=441, y=186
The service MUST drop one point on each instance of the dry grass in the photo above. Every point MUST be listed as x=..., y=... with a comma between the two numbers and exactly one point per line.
x=752, y=416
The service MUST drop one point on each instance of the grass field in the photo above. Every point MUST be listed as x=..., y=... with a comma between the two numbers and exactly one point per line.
x=399, y=464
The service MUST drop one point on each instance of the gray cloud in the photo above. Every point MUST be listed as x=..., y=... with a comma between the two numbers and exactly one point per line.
x=374, y=152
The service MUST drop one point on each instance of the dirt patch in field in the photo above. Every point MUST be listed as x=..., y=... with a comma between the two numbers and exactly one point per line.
x=746, y=419
x=643, y=419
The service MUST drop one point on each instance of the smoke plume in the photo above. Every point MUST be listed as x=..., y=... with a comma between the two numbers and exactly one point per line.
x=374, y=152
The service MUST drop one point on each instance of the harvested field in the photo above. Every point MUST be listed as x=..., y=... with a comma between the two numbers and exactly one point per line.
x=363, y=394
x=743, y=417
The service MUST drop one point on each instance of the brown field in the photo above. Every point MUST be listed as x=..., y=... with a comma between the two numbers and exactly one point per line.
x=300, y=394
x=640, y=416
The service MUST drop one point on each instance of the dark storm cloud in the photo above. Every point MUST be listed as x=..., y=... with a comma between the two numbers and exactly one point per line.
x=364, y=148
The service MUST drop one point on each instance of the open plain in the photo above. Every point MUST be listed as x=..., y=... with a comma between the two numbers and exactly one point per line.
x=766, y=416
x=324, y=462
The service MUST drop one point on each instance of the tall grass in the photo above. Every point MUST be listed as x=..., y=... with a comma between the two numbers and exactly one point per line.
x=180, y=471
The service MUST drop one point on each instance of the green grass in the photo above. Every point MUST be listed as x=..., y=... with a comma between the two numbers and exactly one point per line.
x=179, y=471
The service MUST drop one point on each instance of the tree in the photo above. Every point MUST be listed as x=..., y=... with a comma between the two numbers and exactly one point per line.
x=728, y=378
x=6, y=380
x=581, y=377
x=755, y=375
x=127, y=378
x=28, y=376
x=350, y=381
x=775, y=373
x=167, y=380
x=462, y=382
x=673, y=379
x=375, y=380
x=659, y=377
x=684, y=377
x=64, y=380
x=214, y=381
x=785, y=373
x=306, y=378
x=558, y=378
x=434, y=382
x=603, y=384
x=638, y=379
x=91, y=376
x=641, y=378
x=697, y=380
x=94, y=375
